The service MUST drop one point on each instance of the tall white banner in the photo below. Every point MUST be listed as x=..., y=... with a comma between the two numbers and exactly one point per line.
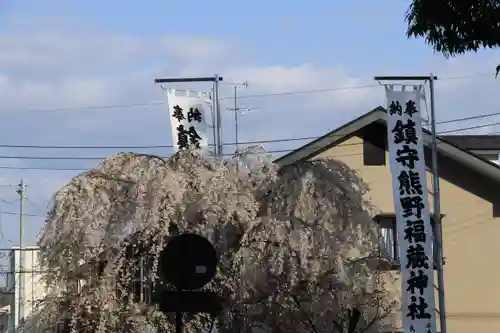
x=414, y=230
x=188, y=118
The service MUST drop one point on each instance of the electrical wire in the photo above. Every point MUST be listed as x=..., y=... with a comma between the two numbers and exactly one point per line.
x=448, y=121
x=97, y=107
x=34, y=206
x=170, y=146
x=150, y=146
x=303, y=92
x=296, y=92
x=226, y=144
x=456, y=120
x=469, y=128
x=86, y=169
x=102, y=158
x=247, y=142
x=85, y=147
x=9, y=202
x=24, y=214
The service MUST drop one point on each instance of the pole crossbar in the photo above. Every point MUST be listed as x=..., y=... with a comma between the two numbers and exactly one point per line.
x=216, y=116
x=405, y=78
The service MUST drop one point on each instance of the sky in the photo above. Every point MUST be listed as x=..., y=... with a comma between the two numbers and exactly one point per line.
x=80, y=73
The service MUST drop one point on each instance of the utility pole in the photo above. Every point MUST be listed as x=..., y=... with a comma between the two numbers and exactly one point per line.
x=236, y=110
x=21, y=191
x=12, y=321
x=216, y=88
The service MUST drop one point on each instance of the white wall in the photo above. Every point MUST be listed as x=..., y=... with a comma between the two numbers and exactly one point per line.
x=32, y=288
x=490, y=156
x=494, y=160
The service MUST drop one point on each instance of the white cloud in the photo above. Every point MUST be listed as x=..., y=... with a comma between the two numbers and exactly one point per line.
x=51, y=63
x=279, y=79
x=72, y=92
x=63, y=64
x=70, y=65
x=60, y=48
x=59, y=63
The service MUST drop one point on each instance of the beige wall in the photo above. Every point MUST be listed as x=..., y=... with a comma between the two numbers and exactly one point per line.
x=471, y=243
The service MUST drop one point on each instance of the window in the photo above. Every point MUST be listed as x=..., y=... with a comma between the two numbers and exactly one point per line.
x=388, y=237
x=374, y=153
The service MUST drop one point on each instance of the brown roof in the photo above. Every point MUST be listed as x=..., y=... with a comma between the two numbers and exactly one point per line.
x=377, y=115
x=474, y=142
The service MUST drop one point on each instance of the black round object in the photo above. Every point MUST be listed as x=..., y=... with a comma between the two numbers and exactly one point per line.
x=189, y=261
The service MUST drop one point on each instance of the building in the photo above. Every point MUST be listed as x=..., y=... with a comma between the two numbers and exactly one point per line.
x=470, y=203
x=6, y=297
x=30, y=290
x=485, y=146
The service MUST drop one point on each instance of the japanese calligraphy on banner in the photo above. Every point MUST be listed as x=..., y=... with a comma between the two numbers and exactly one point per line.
x=188, y=116
x=414, y=231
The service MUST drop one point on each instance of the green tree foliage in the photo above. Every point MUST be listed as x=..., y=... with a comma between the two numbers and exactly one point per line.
x=454, y=27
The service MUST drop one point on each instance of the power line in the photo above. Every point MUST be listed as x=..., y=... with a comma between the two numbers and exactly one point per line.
x=33, y=205
x=169, y=146
x=244, y=142
x=98, y=107
x=262, y=141
x=85, y=147
x=149, y=146
x=86, y=169
x=467, y=118
x=51, y=158
x=296, y=92
x=299, y=92
x=9, y=202
x=469, y=128
x=40, y=168
x=24, y=214
x=247, y=142
x=303, y=92
x=105, y=157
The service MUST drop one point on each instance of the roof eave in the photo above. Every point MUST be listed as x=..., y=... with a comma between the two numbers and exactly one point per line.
x=330, y=139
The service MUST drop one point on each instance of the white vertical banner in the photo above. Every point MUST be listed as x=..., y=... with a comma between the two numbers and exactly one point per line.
x=411, y=203
x=188, y=118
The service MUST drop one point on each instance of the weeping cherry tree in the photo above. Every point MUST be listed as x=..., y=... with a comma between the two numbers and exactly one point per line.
x=298, y=250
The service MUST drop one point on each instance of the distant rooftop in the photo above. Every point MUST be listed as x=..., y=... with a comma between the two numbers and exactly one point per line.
x=6, y=296
x=474, y=142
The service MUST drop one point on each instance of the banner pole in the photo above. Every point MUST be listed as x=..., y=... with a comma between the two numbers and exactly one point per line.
x=438, y=227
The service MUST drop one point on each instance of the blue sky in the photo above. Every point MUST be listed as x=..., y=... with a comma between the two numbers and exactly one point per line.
x=325, y=33
x=74, y=54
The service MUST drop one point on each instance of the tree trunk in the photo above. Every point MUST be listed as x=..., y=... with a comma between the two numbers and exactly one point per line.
x=354, y=316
